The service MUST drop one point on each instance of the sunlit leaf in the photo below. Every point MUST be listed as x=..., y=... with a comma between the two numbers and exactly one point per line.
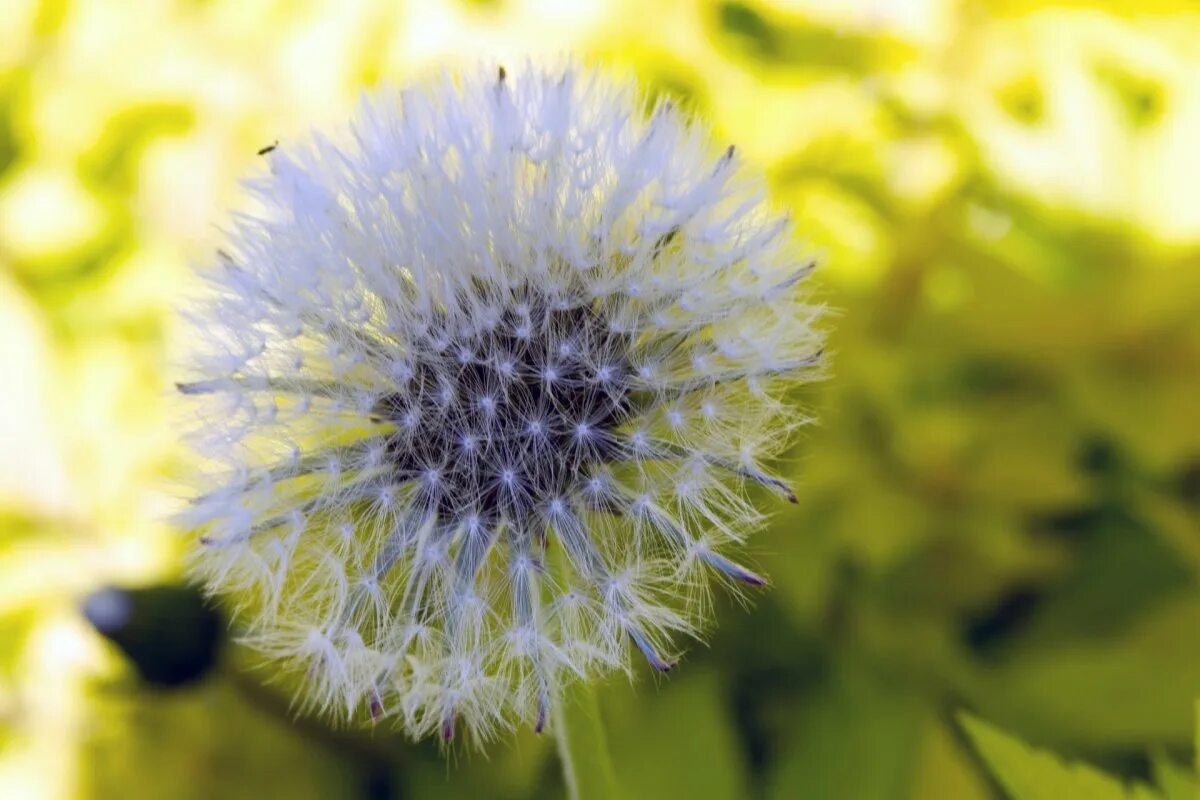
x=1030, y=774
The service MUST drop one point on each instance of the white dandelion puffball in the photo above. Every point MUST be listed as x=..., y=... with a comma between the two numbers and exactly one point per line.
x=481, y=389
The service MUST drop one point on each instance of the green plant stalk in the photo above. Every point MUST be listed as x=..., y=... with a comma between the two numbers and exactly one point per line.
x=582, y=746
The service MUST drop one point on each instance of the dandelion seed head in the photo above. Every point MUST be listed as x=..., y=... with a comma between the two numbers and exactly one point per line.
x=480, y=392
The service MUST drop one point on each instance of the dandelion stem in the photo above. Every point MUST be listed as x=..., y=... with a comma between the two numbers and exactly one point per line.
x=582, y=746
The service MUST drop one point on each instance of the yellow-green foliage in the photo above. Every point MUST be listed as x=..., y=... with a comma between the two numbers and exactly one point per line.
x=1030, y=774
x=999, y=509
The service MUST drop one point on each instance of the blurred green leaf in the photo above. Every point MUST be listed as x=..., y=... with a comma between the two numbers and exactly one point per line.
x=1175, y=782
x=1128, y=691
x=1142, y=98
x=582, y=745
x=113, y=161
x=1119, y=574
x=677, y=740
x=521, y=767
x=13, y=93
x=946, y=769
x=856, y=736
x=794, y=41
x=1029, y=774
x=206, y=743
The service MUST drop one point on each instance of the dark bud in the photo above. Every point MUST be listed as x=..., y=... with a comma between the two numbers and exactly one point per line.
x=170, y=633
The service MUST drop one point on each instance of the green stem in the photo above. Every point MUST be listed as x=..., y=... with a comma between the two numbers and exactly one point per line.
x=582, y=747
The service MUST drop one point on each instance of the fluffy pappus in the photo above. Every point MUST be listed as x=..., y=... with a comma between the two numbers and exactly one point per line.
x=478, y=391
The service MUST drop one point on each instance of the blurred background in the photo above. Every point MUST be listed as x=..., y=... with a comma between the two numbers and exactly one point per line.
x=999, y=510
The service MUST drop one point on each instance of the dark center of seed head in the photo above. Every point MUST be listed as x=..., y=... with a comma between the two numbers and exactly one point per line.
x=513, y=414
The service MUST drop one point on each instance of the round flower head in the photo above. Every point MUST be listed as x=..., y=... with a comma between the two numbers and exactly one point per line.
x=484, y=388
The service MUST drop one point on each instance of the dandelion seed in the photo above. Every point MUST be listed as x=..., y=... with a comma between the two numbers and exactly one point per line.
x=481, y=390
